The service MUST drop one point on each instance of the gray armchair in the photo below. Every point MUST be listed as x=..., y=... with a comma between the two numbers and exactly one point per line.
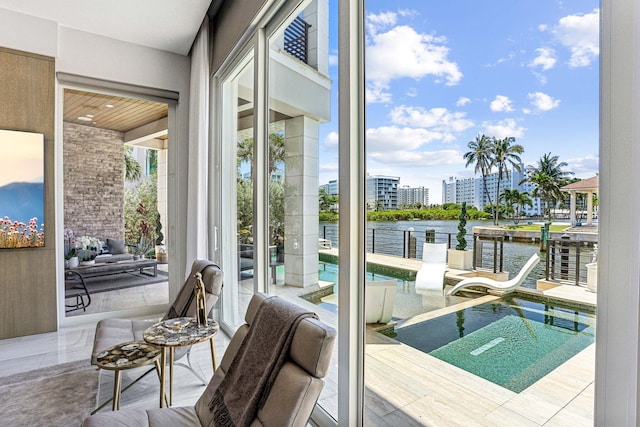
x=286, y=401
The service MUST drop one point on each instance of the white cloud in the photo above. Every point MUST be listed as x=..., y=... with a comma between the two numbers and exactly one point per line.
x=462, y=101
x=438, y=119
x=546, y=58
x=403, y=158
x=586, y=166
x=402, y=52
x=377, y=93
x=580, y=34
x=331, y=141
x=333, y=60
x=503, y=129
x=412, y=92
x=542, y=101
x=501, y=103
x=380, y=21
x=329, y=167
x=393, y=138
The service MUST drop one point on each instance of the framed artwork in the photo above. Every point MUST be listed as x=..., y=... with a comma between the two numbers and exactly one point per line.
x=21, y=189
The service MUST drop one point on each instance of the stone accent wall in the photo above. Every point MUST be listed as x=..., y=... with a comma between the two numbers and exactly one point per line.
x=93, y=181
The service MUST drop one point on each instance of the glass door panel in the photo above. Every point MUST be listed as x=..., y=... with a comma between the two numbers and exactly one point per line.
x=238, y=189
x=301, y=147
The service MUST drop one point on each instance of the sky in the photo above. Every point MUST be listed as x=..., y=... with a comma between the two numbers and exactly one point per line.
x=22, y=158
x=439, y=73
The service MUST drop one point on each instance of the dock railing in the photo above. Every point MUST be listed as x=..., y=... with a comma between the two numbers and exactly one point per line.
x=566, y=260
x=488, y=253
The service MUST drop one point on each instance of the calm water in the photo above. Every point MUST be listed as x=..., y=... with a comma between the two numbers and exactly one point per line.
x=391, y=238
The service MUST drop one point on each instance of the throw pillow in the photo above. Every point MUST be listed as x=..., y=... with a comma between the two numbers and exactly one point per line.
x=116, y=246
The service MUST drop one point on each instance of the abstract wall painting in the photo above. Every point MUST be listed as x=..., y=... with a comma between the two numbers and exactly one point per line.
x=21, y=189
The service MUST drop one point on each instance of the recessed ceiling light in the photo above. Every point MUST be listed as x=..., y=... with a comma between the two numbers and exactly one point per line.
x=84, y=119
x=109, y=106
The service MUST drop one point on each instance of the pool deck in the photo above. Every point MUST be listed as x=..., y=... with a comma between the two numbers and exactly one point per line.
x=407, y=387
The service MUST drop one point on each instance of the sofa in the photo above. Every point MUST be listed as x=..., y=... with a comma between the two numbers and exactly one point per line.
x=114, y=250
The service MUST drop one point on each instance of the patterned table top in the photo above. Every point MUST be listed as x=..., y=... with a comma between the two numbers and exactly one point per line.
x=128, y=355
x=180, y=331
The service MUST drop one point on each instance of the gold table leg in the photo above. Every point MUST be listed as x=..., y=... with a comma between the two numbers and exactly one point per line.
x=213, y=354
x=116, y=390
x=163, y=363
x=171, y=358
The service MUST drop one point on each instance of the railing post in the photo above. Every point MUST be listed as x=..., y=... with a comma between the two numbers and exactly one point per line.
x=411, y=249
x=577, y=263
x=449, y=241
x=501, y=254
x=476, y=242
x=547, y=264
x=373, y=240
x=564, y=257
x=404, y=244
x=495, y=250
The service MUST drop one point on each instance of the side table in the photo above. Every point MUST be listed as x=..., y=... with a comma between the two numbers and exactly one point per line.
x=128, y=355
x=177, y=332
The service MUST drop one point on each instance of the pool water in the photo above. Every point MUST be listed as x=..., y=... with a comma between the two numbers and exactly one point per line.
x=512, y=342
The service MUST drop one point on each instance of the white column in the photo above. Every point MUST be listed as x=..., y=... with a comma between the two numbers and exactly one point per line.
x=572, y=208
x=617, y=380
x=301, y=202
x=590, y=208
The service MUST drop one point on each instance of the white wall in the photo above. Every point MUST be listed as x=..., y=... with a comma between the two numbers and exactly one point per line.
x=89, y=55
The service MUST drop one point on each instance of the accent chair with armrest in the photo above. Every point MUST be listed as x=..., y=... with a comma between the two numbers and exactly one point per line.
x=110, y=332
x=286, y=400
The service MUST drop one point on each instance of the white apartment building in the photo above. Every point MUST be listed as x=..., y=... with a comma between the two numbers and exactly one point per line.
x=409, y=195
x=472, y=191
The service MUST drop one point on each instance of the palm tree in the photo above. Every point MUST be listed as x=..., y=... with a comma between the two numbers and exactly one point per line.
x=481, y=155
x=548, y=177
x=132, y=168
x=505, y=153
x=513, y=198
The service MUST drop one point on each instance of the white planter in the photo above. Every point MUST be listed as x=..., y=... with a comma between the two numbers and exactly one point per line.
x=460, y=260
x=592, y=276
x=72, y=262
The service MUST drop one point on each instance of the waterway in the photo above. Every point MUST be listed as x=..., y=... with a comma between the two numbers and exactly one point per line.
x=391, y=238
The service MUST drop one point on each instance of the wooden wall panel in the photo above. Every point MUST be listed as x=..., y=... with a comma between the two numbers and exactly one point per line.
x=28, y=303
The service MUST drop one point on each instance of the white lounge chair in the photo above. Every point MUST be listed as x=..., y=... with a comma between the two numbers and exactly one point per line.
x=434, y=263
x=506, y=286
x=379, y=298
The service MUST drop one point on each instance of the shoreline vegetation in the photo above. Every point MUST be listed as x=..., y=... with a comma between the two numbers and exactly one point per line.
x=525, y=224
x=437, y=214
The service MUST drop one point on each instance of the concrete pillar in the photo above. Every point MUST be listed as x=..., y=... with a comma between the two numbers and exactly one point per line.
x=317, y=15
x=572, y=208
x=589, y=208
x=301, y=202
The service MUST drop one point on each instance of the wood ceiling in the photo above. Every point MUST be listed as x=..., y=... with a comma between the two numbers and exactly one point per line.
x=125, y=114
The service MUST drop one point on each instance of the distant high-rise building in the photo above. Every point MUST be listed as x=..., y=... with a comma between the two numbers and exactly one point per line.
x=408, y=196
x=383, y=189
x=472, y=190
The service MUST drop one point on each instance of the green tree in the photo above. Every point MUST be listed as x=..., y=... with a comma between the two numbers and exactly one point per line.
x=141, y=210
x=462, y=228
x=505, y=153
x=481, y=155
x=548, y=177
x=327, y=202
x=515, y=198
x=132, y=169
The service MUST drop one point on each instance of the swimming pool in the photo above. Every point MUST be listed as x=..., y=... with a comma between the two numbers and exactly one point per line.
x=512, y=342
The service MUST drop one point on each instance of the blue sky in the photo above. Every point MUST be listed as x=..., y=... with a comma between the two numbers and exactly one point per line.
x=438, y=73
